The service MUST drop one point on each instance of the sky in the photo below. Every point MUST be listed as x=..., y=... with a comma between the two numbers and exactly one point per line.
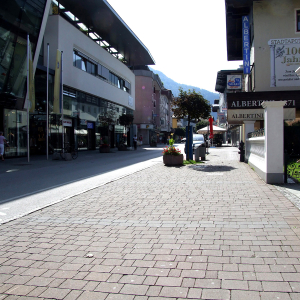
x=187, y=39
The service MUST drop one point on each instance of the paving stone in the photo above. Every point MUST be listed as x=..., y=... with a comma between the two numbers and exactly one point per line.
x=176, y=292
x=134, y=289
x=276, y=286
x=238, y=295
x=217, y=294
x=55, y=293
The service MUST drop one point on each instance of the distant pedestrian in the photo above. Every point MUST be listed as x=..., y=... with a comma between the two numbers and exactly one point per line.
x=135, y=142
x=2, y=142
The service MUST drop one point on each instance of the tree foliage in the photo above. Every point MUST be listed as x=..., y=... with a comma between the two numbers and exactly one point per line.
x=201, y=124
x=191, y=105
x=180, y=131
x=126, y=120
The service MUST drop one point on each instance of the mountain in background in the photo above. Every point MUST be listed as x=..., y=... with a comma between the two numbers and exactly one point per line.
x=170, y=84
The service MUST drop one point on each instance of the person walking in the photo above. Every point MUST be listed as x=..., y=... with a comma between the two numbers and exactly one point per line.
x=2, y=142
x=135, y=142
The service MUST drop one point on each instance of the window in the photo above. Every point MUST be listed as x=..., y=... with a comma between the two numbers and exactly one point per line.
x=91, y=68
x=298, y=20
x=84, y=63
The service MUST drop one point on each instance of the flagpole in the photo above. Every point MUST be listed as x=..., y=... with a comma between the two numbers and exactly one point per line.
x=62, y=104
x=47, y=110
x=27, y=100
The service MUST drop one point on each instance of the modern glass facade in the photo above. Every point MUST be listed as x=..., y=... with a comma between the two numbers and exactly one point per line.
x=18, y=18
x=87, y=119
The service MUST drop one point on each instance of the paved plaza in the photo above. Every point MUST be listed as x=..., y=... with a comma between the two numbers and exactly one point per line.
x=208, y=231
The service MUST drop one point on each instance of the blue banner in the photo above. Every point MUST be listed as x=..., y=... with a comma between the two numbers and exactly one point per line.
x=246, y=44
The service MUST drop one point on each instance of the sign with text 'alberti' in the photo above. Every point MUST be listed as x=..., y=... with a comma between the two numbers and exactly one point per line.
x=246, y=44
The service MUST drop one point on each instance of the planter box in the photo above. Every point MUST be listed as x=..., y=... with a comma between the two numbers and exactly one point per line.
x=104, y=149
x=173, y=160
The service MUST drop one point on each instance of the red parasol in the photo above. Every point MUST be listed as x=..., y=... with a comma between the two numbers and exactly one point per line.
x=211, y=131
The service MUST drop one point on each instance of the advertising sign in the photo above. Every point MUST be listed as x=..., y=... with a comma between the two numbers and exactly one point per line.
x=256, y=114
x=90, y=125
x=246, y=44
x=221, y=118
x=253, y=100
x=285, y=59
x=67, y=122
x=234, y=82
x=146, y=126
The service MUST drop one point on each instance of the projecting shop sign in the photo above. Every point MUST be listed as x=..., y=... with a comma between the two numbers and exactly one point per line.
x=234, y=82
x=246, y=44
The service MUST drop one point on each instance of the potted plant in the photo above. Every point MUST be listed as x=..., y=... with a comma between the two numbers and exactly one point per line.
x=104, y=146
x=172, y=156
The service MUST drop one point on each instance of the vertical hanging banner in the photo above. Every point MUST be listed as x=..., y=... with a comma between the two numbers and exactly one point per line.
x=246, y=44
x=57, y=84
x=30, y=78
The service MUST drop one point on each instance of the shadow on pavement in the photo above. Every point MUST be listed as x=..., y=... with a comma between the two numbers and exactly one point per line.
x=209, y=168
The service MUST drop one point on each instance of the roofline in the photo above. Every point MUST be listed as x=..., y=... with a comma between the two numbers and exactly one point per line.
x=129, y=29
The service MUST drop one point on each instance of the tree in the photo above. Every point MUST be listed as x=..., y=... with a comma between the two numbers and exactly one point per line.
x=201, y=124
x=126, y=120
x=180, y=131
x=193, y=106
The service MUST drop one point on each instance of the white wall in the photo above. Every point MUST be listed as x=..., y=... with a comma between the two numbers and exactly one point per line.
x=273, y=19
x=63, y=36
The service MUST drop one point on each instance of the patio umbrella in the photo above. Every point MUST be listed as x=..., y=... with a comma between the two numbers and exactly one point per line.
x=216, y=129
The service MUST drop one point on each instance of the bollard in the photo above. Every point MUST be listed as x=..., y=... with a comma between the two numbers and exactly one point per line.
x=242, y=152
x=197, y=154
x=200, y=152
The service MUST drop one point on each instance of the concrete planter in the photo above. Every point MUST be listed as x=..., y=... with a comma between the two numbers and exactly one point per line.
x=104, y=149
x=173, y=160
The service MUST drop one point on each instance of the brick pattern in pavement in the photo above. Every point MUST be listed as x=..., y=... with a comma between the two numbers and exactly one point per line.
x=209, y=231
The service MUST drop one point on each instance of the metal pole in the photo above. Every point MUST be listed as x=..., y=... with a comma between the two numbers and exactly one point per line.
x=27, y=100
x=47, y=111
x=62, y=104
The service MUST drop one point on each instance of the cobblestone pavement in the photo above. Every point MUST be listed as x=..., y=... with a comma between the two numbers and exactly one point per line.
x=210, y=231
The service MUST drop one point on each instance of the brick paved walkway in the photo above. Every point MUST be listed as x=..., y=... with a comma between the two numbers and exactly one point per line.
x=212, y=231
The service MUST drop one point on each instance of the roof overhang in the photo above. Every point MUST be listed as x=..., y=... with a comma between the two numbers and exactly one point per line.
x=221, y=82
x=100, y=17
x=235, y=9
